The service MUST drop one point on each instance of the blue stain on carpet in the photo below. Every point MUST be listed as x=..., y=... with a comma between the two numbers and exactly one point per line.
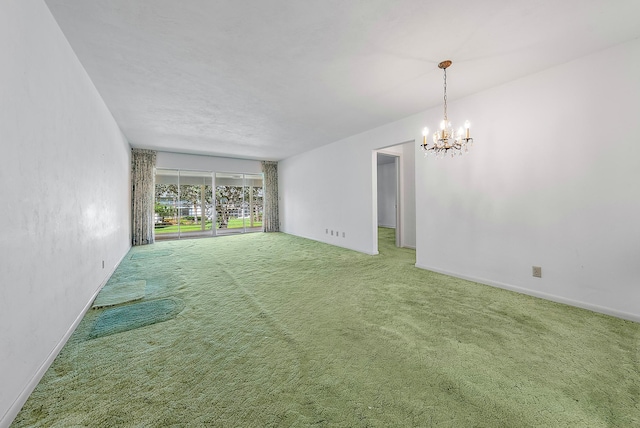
x=136, y=315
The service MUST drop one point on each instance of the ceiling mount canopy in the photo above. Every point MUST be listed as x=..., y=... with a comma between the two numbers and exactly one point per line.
x=445, y=141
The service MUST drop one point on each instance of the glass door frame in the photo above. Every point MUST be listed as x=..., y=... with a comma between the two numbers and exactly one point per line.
x=238, y=206
x=254, y=206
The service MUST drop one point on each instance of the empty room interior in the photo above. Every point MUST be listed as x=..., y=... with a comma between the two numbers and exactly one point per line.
x=407, y=213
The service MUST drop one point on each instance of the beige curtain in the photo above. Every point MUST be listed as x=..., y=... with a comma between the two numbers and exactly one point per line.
x=270, y=220
x=143, y=163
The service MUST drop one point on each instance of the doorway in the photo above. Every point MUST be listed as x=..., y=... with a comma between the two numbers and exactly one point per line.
x=388, y=188
x=394, y=187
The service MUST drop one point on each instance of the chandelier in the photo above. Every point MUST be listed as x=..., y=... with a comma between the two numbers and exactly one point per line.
x=445, y=141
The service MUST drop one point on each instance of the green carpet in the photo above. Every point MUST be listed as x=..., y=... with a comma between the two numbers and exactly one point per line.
x=282, y=331
x=151, y=253
x=116, y=293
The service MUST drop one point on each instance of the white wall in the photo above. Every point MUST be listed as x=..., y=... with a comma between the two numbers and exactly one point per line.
x=64, y=183
x=387, y=190
x=332, y=187
x=552, y=181
x=207, y=163
x=408, y=201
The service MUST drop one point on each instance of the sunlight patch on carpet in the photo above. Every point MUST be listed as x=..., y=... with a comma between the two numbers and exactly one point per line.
x=136, y=315
x=119, y=293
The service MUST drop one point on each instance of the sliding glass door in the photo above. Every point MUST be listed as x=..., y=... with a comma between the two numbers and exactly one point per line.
x=188, y=204
x=184, y=204
x=167, y=218
x=196, y=213
x=253, y=204
x=238, y=203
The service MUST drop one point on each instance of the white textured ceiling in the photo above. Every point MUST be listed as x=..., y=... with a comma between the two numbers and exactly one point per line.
x=267, y=79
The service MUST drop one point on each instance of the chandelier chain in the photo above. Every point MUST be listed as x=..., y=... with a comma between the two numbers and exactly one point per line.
x=445, y=95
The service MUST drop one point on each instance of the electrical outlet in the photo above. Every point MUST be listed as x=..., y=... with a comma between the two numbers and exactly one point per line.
x=343, y=234
x=537, y=271
x=337, y=233
x=332, y=233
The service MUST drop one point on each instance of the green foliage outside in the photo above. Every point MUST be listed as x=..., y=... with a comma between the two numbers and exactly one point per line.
x=234, y=223
x=229, y=201
x=164, y=210
x=183, y=228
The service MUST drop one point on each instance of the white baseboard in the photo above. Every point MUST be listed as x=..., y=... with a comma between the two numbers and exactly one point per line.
x=15, y=408
x=329, y=242
x=558, y=299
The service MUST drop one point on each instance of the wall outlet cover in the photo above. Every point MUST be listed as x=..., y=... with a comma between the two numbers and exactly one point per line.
x=537, y=271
